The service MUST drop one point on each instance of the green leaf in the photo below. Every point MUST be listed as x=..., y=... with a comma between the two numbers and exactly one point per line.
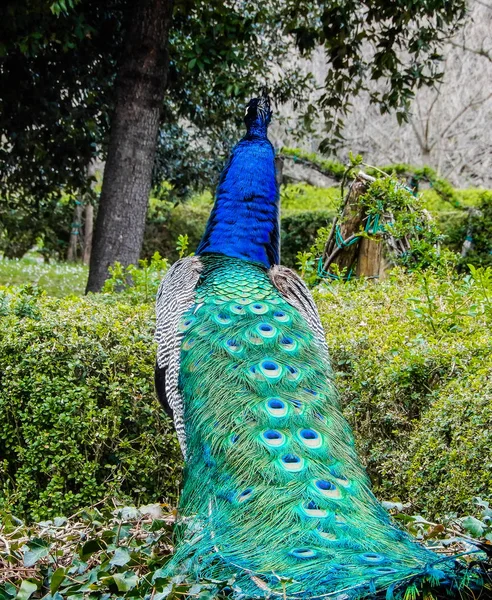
x=26, y=590
x=36, y=549
x=120, y=557
x=125, y=581
x=90, y=547
x=473, y=526
x=56, y=579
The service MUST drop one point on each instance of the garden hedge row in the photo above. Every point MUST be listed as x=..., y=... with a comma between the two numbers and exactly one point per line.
x=80, y=422
x=79, y=418
x=305, y=209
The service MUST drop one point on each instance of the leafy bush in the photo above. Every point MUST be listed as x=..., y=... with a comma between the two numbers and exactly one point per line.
x=80, y=421
x=299, y=232
x=166, y=222
x=123, y=554
x=450, y=449
x=140, y=283
x=303, y=197
x=479, y=229
x=402, y=349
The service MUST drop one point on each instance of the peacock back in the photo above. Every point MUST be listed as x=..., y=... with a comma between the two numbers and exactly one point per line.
x=274, y=490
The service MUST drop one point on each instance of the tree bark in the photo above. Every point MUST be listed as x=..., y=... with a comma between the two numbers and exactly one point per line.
x=88, y=232
x=350, y=224
x=369, y=259
x=74, y=242
x=140, y=86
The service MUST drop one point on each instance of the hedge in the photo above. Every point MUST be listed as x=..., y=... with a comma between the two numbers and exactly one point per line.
x=80, y=422
x=413, y=365
x=304, y=210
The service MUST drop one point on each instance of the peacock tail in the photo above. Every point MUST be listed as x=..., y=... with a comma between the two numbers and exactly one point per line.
x=275, y=500
x=274, y=490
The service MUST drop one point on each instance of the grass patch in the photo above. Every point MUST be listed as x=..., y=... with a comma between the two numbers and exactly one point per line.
x=56, y=279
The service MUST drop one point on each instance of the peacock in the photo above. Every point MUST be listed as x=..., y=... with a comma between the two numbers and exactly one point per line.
x=275, y=499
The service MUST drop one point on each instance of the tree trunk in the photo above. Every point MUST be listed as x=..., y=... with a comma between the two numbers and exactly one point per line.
x=74, y=242
x=88, y=229
x=350, y=224
x=140, y=86
x=369, y=259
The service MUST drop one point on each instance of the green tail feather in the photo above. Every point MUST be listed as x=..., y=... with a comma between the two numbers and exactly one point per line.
x=274, y=491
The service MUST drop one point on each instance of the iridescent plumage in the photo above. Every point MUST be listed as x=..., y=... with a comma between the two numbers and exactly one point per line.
x=274, y=494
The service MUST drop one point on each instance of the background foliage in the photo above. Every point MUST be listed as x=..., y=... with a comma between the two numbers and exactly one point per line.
x=80, y=421
x=411, y=356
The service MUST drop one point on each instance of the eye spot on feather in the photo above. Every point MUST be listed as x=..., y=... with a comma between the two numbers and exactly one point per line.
x=237, y=309
x=258, y=308
x=384, y=570
x=292, y=463
x=271, y=370
x=273, y=438
x=372, y=557
x=233, y=346
x=303, y=553
x=186, y=323
x=327, y=489
x=313, y=510
x=293, y=374
x=276, y=407
x=324, y=485
x=245, y=495
x=281, y=316
x=265, y=330
x=288, y=344
x=310, y=438
x=341, y=479
x=222, y=318
x=187, y=344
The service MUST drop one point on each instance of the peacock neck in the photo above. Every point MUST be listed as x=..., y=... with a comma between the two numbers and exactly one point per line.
x=244, y=222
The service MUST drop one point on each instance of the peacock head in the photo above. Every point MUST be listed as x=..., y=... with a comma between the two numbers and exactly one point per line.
x=258, y=114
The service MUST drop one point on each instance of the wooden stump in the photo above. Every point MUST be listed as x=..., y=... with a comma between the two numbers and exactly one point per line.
x=350, y=224
x=369, y=258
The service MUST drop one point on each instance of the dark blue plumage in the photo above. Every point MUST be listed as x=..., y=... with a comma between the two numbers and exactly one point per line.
x=244, y=222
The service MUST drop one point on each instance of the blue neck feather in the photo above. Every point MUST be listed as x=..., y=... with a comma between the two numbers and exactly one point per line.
x=244, y=222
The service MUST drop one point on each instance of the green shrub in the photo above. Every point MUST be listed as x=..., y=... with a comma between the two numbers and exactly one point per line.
x=479, y=229
x=299, y=232
x=450, y=450
x=303, y=197
x=78, y=413
x=166, y=222
x=401, y=348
